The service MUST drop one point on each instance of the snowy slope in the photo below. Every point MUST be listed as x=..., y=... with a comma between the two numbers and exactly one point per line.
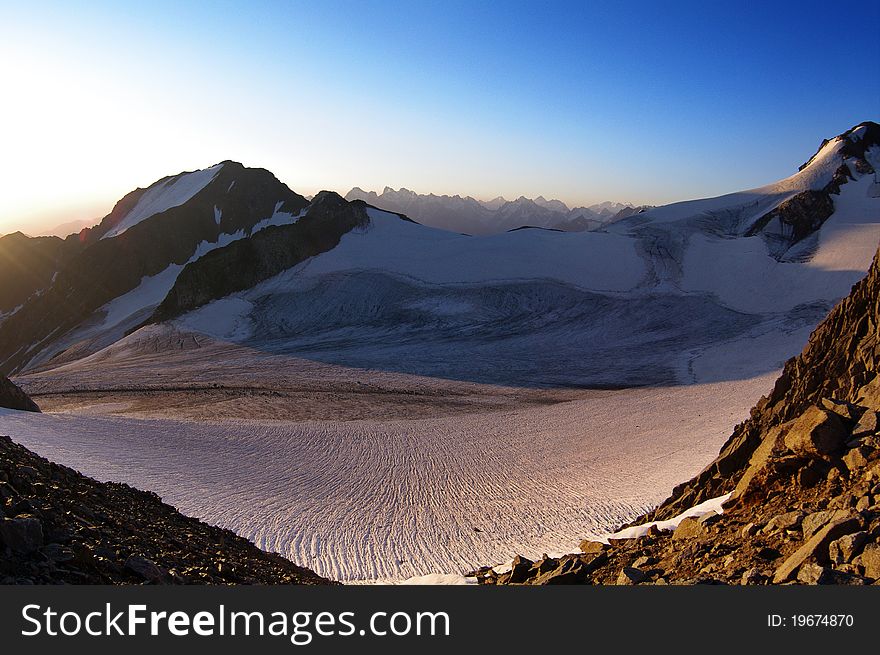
x=392, y=499
x=701, y=246
x=743, y=274
x=750, y=204
x=595, y=261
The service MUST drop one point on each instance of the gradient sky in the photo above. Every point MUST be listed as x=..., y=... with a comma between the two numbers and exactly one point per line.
x=641, y=102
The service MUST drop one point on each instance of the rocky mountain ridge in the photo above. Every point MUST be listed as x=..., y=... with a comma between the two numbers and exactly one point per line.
x=247, y=262
x=63, y=282
x=803, y=214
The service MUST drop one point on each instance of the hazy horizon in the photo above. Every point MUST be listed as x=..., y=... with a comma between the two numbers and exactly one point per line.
x=643, y=104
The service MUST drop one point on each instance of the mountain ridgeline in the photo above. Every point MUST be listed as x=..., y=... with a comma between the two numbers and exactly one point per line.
x=193, y=238
x=471, y=216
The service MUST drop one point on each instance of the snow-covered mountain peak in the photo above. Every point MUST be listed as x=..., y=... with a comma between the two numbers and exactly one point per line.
x=553, y=204
x=493, y=204
x=855, y=146
x=163, y=195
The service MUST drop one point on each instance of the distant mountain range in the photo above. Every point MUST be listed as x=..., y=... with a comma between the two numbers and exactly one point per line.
x=480, y=217
x=70, y=227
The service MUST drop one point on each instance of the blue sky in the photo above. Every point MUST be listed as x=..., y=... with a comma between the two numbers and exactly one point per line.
x=640, y=102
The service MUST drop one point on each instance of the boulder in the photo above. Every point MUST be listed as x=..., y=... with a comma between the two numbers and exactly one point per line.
x=868, y=425
x=786, y=521
x=760, y=457
x=710, y=518
x=570, y=571
x=812, y=523
x=842, y=408
x=631, y=575
x=749, y=530
x=816, y=433
x=544, y=565
x=869, y=395
x=842, y=551
x=519, y=569
x=23, y=534
x=143, y=568
x=590, y=547
x=869, y=561
x=815, y=547
x=752, y=576
x=689, y=529
x=811, y=573
x=645, y=561
x=856, y=458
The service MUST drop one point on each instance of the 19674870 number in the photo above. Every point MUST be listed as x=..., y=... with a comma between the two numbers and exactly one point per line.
x=810, y=621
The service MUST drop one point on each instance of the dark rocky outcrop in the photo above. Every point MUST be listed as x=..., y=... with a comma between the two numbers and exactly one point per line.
x=27, y=265
x=245, y=263
x=803, y=473
x=799, y=217
x=58, y=526
x=11, y=397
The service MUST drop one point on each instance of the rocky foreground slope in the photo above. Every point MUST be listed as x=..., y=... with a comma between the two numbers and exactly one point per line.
x=58, y=526
x=802, y=474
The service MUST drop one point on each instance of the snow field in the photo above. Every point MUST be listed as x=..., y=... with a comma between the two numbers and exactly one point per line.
x=390, y=500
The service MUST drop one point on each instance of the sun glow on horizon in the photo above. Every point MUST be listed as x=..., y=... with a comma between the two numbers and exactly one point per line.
x=467, y=99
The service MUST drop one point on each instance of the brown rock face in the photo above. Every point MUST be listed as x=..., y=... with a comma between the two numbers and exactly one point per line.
x=689, y=529
x=815, y=433
x=589, y=547
x=869, y=561
x=816, y=546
